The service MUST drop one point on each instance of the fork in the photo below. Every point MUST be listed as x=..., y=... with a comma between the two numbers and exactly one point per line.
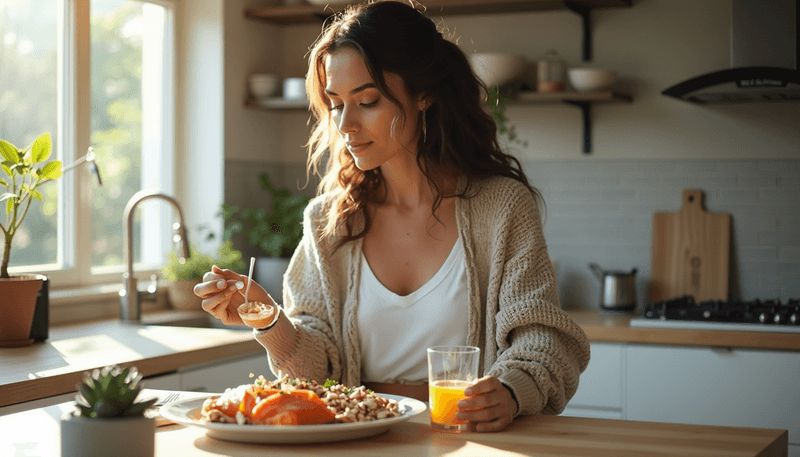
x=154, y=411
x=171, y=397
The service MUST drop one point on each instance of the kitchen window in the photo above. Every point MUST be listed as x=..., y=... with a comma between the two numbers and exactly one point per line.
x=99, y=74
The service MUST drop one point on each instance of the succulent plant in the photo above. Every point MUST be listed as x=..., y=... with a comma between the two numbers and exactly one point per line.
x=111, y=392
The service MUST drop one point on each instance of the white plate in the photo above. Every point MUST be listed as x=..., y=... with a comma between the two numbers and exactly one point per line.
x=187, y=412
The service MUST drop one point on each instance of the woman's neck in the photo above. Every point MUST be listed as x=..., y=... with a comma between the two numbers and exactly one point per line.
x=407, y=186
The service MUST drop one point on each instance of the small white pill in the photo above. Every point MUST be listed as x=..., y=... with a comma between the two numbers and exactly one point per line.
x=239, y=285
x=221, y=284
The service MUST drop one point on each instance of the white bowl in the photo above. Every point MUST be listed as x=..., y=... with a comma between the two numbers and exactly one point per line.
x=263, y=85
x=590, y=79
x=496, y=69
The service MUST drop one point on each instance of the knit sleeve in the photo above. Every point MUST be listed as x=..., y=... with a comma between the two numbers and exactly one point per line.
x=541, y=350
x=302, y=343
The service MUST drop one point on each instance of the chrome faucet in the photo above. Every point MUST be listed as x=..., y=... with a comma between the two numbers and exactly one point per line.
x=129, y=298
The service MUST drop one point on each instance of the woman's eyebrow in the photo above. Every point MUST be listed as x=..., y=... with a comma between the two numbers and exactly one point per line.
x=357, y=89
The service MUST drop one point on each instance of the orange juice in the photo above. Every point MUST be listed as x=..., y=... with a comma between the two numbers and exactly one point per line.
x=444, y=396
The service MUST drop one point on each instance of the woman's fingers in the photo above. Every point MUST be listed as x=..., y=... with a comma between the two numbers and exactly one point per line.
x=488, y=406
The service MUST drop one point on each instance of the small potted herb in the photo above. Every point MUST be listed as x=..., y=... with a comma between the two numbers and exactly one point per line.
x=108, y=418
x=25, y=171
x=184, y=276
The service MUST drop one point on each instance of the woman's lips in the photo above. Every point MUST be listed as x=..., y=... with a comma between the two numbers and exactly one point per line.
x=358, y=147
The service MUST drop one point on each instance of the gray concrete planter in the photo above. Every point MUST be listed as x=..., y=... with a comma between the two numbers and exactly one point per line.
x=269, y=273
x=92, y=437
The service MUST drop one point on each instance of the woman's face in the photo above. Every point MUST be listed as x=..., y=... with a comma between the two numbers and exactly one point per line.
x=364, y=116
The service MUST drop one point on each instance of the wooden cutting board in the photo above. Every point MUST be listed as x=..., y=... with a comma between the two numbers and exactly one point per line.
x=691, y=252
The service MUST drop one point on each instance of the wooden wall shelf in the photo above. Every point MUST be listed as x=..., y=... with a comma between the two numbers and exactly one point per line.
x=525, y=97
x=304, y=14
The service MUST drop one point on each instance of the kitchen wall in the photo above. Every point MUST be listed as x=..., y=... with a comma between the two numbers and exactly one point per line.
x=746, y=158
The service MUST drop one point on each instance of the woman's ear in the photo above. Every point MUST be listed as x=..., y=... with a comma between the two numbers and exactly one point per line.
x=423, y=102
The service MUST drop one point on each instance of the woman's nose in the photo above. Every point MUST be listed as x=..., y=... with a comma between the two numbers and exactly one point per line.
x=348, y=122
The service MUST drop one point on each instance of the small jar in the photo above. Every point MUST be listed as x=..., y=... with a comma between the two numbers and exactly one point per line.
x=551, y=73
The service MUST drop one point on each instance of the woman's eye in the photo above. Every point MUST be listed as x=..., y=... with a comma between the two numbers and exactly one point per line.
x=363, y=105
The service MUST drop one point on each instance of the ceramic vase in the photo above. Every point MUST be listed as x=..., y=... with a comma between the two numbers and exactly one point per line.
x=17, y=305
x=119, y=437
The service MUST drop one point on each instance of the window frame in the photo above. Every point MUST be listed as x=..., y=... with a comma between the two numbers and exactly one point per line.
x=73, y=267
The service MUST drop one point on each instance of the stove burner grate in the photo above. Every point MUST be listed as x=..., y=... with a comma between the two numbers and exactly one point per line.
x=768, y=312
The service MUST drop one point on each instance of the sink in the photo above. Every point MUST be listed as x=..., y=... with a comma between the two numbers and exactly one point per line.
x=197, y=319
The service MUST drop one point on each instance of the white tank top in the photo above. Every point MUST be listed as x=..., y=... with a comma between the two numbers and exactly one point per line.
x=395, y=331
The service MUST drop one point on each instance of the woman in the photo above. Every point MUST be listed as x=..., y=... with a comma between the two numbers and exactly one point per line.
x=425, y=232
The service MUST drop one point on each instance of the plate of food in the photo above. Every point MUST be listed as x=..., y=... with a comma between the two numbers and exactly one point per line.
x=293, y=411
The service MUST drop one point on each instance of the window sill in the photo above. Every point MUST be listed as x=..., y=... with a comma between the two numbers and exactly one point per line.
x=81, y=304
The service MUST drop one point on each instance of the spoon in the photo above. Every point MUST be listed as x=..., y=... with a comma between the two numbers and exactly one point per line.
x=249, y=278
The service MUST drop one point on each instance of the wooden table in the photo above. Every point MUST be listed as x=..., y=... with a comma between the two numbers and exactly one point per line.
x=36, y=433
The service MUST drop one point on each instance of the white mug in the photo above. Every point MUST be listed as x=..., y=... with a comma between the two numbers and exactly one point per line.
x=294, y=88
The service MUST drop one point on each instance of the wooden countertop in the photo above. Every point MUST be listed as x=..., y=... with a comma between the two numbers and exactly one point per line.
x=607, y=327
x=38, y=432
x=56, y=365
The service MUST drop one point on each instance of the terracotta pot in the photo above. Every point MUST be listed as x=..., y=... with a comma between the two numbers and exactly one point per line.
x=181, y=294
x=92, y=437
x=17, y=305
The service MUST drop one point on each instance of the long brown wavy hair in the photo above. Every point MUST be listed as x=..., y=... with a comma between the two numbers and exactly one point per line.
x=396, y=37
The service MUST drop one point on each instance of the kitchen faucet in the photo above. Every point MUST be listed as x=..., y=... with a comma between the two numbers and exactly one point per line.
x=129, y=298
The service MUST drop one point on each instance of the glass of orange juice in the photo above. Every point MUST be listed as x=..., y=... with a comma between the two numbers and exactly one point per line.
x=451, y=369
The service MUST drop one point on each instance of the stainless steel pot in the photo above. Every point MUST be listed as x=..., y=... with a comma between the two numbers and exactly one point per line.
x=618, y=290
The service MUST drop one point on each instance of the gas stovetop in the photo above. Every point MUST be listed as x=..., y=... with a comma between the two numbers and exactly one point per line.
x=757, y=315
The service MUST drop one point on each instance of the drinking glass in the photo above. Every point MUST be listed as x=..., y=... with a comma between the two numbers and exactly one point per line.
x=451, y=369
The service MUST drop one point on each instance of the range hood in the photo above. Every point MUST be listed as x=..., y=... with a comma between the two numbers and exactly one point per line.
x=764, y=56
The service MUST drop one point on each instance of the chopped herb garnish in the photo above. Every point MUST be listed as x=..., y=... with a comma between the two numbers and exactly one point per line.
x=294, y=383
x=348, y=391
x=283, y=393
x=329, y=383
x=370, y=391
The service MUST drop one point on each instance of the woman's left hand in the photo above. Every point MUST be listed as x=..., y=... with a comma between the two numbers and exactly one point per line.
x=489, y=406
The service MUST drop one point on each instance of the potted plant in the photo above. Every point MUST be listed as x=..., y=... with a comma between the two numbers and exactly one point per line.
x=25, y=171
x=274, y=234
x=184, y=276
x=497, y=99
x=107, y=417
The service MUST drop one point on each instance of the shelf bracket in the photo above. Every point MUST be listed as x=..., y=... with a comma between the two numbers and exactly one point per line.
x=586, y=16
x=586, y=110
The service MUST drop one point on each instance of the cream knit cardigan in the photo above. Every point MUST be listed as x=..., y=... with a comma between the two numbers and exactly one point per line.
x=526, y=340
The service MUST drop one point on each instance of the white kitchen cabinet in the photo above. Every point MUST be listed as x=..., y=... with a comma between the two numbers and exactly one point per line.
x=601, y=391
x=216, y=377
x=731, y=387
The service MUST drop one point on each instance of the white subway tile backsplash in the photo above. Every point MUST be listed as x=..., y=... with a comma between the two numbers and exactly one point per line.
x=734, y=196
x=762, y=253
x=778, y=166
x=762, y=197
x=756, y=180
x=790, y=253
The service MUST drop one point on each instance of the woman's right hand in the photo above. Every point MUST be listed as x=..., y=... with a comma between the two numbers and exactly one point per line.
x=220, y=291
